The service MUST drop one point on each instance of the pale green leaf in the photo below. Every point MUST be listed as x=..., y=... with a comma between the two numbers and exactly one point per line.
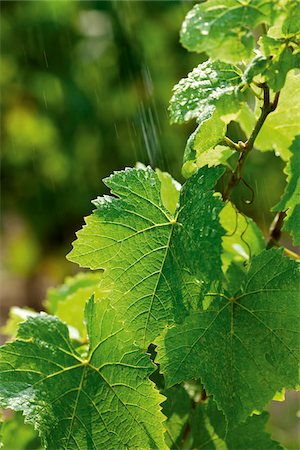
x=291, y=24
x=151, y=257
x=243, y=345
x=243, y=238
x=203, y=145
x=15, y=316
x=105, y=401
x=170, y=191
x=224, y=28
x=68, y=300
x=278, y=57
x=290, y=201
x=282, y=125
x=210, y=86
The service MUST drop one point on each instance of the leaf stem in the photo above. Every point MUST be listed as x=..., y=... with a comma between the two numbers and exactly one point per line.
x=246, y=147
x=291, y=253
x=227, y=141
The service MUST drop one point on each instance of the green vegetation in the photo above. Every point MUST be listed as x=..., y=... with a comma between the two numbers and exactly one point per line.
x=190, y=325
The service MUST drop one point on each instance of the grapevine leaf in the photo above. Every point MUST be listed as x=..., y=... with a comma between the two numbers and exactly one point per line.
x=170, y=191
x=105, y=401
x=210, y=86
x=243, y=238
x=68, y=300
x=202, y=146
x=290, y=200
x=291, y=24
x=223, y=28
x=243, y=344
x=177, y=408
x=151, y=257
x=279, y=56
x=210, y=430
x=282, y=125
x=16, y=315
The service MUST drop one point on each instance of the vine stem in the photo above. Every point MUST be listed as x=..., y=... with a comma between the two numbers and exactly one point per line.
x=275, y=234
x=246, y=147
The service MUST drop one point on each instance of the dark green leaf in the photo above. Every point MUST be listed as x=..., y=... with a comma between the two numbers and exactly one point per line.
x=290, y=201
x=210, y=431
x=177, y=408
x=244, y=346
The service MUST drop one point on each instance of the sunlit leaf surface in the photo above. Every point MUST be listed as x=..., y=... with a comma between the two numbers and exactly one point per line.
x=102, y=401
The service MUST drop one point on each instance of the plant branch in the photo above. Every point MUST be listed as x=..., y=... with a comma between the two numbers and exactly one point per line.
x=275, y=230
x=246, y=147
x=275, y=234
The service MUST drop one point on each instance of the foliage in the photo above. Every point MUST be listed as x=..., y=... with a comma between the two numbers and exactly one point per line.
x=186, y=276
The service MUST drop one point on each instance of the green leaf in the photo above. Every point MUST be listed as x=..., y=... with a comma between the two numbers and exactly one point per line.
x=291, y=24
x=105, y=401
x=177, y=408
x=16, y=315
x=210, y=430
x=202, y=146
x=68, y=300
x=223, y=28
x=278, y=57
x=151, y=257
x=170, y=191
x=243, y=238
x=282, y=125
x=210, y=86
x=290, y=201
x=243, y=344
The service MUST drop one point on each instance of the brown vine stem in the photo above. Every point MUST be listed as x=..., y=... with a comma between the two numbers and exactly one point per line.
x=275, y=234
x=246, y=147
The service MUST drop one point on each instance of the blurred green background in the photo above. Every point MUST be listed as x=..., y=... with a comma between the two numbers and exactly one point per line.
x=85, y=87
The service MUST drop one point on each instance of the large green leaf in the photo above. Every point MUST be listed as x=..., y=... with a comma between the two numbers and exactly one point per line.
x=103, y=401
x=210, y=431
x=282, y=125
x=151, y=255
x=223, y=28
x=243, y=344
x=290, y=201
x=210, y=86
